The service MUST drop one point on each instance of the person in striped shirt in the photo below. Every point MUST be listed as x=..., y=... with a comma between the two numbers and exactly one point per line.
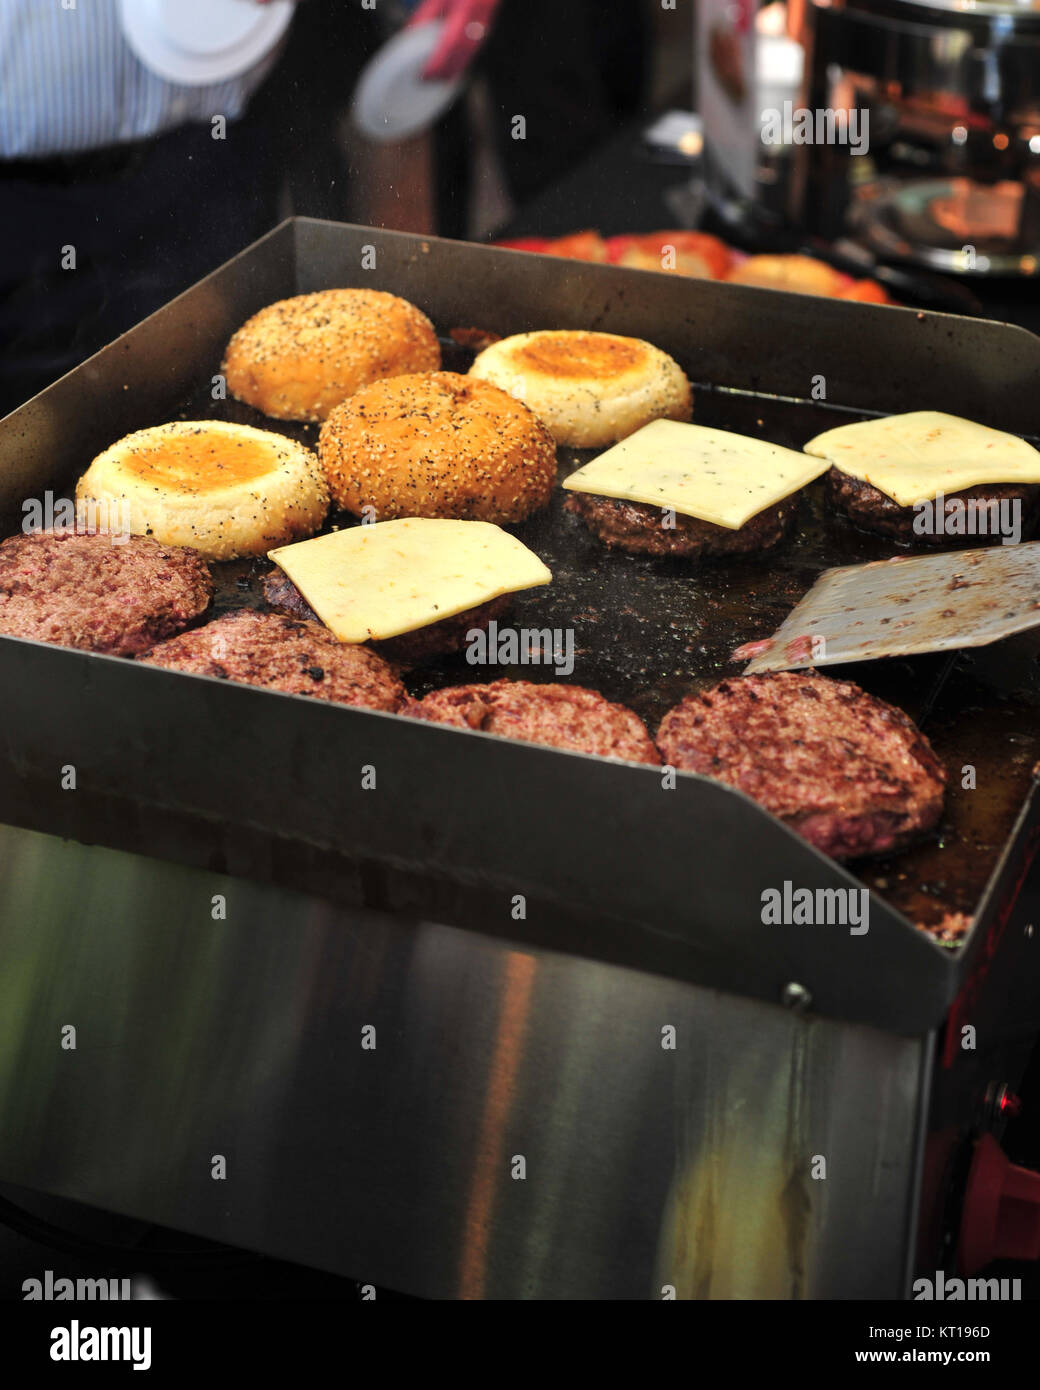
x=119, y=189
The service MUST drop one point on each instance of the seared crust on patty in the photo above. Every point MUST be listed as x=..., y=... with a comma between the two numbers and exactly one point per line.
x=589, y=389
x=99, y=594
x=422, y=644
x=284, y=654
x=847, y=771
x=298, y=358
x=281, y=594
x=438, y=445
x=873, y=510
x=636, y=527
x=563, y=716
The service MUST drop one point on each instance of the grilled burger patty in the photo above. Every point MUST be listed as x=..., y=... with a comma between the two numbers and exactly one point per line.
x=563, y=716
x=101, y=595
x=636, y=527
x=847, y=771
x=873, y=510
x=423, y=644
x=284, y=654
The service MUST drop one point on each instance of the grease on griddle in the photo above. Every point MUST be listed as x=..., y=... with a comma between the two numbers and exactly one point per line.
x=648, y=632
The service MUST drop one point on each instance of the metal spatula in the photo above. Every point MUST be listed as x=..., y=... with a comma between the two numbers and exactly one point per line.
x=927, y=603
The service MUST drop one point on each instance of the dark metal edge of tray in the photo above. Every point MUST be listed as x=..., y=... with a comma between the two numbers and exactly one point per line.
x=899, y=980
x=458, y=826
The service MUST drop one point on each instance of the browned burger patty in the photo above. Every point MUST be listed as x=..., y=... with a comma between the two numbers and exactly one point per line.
x=283, y=654
x=636, y=527
x=281, y=594
x=850, y=773
x=563, y=716
x=102, y=595
x=869, y=508
x=425, y=643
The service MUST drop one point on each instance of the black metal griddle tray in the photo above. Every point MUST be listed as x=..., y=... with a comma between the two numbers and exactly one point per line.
x=610, y=864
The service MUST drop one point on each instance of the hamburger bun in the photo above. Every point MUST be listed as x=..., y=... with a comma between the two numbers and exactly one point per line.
x=796, y=274
x=437, y=445
x=226, y=490
x=589, y=389
x=298, y=358
x=693, y=253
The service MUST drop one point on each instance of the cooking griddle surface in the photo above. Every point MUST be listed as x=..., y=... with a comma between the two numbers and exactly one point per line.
x=648, y=631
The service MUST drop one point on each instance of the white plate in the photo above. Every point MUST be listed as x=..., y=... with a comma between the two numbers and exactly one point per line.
x=196, y=43
x=391, y=102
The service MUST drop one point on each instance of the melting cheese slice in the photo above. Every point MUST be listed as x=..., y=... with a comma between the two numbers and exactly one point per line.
x=912, y=458
x=377, y=581
x=709, y=474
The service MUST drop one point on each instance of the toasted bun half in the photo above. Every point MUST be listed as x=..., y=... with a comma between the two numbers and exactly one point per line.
x=588, y=389
x=227, y=490
x=437, y=445
x=298, y=358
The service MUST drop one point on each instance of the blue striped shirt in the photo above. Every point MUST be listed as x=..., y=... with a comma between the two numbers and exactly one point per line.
x=69, y=81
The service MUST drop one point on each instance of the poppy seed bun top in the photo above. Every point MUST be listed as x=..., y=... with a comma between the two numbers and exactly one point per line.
x=589, y=389
x=437, y=445
x=298, y=358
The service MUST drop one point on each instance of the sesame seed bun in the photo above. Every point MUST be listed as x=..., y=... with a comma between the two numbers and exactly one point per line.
x=589, y=389
x=298, y=358
x=227, y=490
x=437, y=445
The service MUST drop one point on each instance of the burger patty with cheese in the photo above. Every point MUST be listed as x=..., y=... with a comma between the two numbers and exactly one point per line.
x=690, y=491
x=412, y=588
x=934, y=479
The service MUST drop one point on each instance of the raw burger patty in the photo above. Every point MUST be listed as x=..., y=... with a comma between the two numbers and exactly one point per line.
x=636, y=527
x=869, y=508
x=425, y=643
x=283, y=654
x=89, y=591
x=850, y=773
x=563, y=716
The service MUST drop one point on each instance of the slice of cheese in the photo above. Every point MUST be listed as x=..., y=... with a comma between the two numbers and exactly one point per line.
x=377, y=581
x=709, y=474
x=912, y=458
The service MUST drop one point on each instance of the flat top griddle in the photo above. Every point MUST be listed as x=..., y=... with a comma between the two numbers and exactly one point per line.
x=650, y=630
x=251, y=782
